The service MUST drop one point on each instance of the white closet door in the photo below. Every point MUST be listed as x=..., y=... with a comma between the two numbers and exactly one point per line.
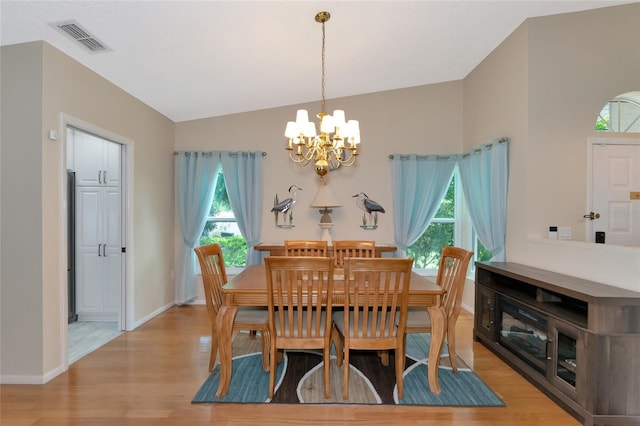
x=113, y=251
x=98, y=252
x=89, y=264
x=111, y=166
x=97, y=161
x=89, y=159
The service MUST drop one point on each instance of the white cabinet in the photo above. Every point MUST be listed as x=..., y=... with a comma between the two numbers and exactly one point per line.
x=98, y=252
x=96, y=160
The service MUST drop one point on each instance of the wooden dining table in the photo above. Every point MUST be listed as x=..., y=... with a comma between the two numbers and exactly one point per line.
x=249, y=288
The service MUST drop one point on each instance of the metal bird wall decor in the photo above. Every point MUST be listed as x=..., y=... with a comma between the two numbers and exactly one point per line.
x=370, y=209
x=285, y=208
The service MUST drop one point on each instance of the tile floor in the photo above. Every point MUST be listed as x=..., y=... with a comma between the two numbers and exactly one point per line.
x=87, y=336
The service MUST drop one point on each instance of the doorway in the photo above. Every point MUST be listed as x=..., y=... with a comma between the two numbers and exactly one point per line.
x=614, y=191
x=97, y=236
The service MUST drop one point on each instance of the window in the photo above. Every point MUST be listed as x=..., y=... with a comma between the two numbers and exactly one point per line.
x=222, y=228
x=621, y=114
x=445, y=230
x=480, y=253
x=441, y=232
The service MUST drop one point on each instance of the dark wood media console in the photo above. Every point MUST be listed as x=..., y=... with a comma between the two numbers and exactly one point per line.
x=576, y=340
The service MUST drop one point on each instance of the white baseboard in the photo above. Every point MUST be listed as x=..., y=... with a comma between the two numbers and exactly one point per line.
x=141, y=321
x=30, y=379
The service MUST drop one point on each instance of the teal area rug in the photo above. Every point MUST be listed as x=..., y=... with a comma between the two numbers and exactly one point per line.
x=300, y=379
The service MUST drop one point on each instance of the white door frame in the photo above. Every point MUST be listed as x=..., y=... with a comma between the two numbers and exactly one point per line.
x=604, y=140
x=127, y=311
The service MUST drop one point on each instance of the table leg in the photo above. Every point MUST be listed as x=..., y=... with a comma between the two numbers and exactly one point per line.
x=438, y=326
x=226, y=316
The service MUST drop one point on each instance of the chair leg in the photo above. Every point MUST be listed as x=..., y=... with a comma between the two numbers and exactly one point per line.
x=399, y=370
x=345, y=383
x=272, y=367
x=252, y=334
x=265, y=350
x=327, y=365
x=451, y=341
x=384, y=357
x=404, y=350
x=214, y=351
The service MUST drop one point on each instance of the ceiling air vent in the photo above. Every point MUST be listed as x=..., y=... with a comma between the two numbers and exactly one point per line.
x=84, y=38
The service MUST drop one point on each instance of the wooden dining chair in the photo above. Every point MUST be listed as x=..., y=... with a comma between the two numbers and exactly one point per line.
x=375, y=312
x=214, y=276
x=452, y=272
x=306, y=248
x=299, y=292
x=352, y=248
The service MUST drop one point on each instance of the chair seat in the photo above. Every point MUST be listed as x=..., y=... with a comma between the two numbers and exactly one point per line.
x=418, y=317
x=252, y=315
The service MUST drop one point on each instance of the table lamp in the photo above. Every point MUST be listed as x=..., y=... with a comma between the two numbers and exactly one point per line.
x=326, y=201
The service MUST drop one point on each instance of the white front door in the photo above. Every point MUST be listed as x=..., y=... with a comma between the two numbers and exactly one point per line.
x=616, y=191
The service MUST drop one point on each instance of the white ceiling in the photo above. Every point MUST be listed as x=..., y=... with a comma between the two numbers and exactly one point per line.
x=195, y=59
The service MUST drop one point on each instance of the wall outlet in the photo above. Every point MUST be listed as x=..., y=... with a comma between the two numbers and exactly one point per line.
x=564, y=232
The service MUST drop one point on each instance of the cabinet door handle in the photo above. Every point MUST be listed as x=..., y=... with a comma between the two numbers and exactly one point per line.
x=100, y=176
x=104, y=177
x=104, y=250
x=549, y=343
x=99, y=249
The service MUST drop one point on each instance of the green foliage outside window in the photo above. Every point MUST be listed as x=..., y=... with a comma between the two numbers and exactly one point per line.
x=602, y=124
x=426, y=251
x=482, y=253
x=220, y=204
x=234, y=249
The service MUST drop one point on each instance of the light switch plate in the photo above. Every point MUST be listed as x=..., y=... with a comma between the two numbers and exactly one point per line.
x=564, y=233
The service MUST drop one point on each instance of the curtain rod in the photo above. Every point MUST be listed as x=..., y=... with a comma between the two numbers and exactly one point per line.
x=446, y=157
x=231, y=154
x=422, y=157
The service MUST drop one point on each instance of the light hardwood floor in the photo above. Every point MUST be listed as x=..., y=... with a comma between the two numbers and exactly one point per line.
x=149, y=376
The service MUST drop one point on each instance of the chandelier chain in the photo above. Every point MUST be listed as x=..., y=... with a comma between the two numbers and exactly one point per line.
x=323, y=99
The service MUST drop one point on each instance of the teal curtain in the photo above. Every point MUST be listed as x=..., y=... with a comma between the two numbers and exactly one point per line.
x=243, y=179
x=419, y=184
x=484, y=174
x=195, y=181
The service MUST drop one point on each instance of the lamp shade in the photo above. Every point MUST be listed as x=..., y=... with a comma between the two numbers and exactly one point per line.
x=325, y=198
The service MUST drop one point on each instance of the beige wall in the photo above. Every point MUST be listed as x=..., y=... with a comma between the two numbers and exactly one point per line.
x=34, y=233
x=426, y=119
x=544, y=87
x=21, y=269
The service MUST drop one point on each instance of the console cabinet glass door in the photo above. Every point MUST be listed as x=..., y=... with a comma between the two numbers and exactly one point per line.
x=485, y=305
x=566, y=357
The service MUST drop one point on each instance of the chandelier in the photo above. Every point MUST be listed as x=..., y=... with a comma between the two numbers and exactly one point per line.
x=337, y=143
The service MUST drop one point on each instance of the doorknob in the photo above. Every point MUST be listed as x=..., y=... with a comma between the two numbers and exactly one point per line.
x=592, y=216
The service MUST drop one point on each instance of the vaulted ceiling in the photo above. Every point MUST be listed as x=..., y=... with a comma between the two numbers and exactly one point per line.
x=195, y=59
